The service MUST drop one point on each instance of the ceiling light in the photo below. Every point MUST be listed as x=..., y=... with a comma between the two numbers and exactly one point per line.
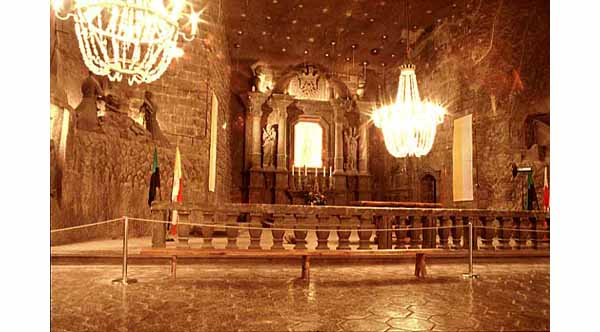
x=136, y=39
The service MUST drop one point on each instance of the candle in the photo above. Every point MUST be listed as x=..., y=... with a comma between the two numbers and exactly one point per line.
x=293, y=170
x=315, y=172
x=323, y=171
x=330, y=173
x=305, y=171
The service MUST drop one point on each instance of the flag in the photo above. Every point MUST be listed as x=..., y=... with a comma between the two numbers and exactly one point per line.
x=154, y=179
x=177, y=193
x=531, y=195
x=546, y=191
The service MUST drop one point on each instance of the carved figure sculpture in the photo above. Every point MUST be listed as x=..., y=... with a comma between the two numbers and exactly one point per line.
x=262, y=81
x=150, y=109
x=268, y=146
x=87, y=110
x=351, y=137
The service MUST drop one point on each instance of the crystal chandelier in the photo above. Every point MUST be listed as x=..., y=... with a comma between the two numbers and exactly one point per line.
x=408, y=125
x=132, y=38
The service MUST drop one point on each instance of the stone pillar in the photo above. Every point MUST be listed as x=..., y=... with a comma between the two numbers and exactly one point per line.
x=183, y=231
x=158, y=230
x=444, y=232
x=299, y=233
x=280, y=104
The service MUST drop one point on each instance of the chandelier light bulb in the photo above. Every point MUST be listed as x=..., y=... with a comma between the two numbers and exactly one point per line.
x=408, y=125
x=136, y=39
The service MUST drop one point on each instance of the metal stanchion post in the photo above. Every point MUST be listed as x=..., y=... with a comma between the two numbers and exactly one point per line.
x=470, y=274
x=124, y=280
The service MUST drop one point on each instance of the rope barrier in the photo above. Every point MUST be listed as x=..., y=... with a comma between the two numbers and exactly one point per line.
x=86, y=225
x=296, y=229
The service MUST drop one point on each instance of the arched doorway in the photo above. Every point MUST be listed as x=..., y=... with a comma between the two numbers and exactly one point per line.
x=428, y=189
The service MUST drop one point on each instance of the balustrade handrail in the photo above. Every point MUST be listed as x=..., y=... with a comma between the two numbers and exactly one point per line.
x=343, y=210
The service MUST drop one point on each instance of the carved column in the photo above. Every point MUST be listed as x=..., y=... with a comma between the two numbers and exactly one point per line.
x=279, y=222
x=253, y=102
x=255, y=231
x=280, y=104
x=323, y=232
x=366, y=222
x=344, y=233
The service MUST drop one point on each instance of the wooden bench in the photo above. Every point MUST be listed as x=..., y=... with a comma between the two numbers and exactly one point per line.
x=305, y=255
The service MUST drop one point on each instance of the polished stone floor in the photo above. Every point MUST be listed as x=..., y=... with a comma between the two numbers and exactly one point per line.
x=268, y=296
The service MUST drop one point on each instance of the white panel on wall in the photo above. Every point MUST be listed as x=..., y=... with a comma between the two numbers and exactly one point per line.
x=462, y=159
x=212, y=171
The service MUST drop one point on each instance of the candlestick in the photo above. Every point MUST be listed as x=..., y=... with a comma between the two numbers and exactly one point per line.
x=323, y=171
x=293, y=170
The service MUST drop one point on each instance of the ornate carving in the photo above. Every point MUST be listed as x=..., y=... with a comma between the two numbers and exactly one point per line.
x=268, y=146
x=149, y=109
x=263, y=80
x=308, y=84
x=351, y=141
x=87, y=110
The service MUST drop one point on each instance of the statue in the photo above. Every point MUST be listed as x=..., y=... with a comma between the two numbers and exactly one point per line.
x=262, y=81
x=351, y=148
x=87, y=110
x=268, y=146
x=150, y=109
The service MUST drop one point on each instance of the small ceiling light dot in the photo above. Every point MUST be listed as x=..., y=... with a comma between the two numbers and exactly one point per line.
x=264, y=33
x=288, y=37
x=275, y=1
x=454, y=5
x=428, y=11
x=284, y=50
x=384, y=37
x=305, y=51
x=348, y=13
x=333, y=43
x=244, y=15
x=362, y=33
x=294, y=21
x=240, y=32
x=371, y=20
x=383, y=64
x=365, y=63
x=415, y=27
x=354, y=46
x=382, y=3
x=300, y=6
x=268, y=18
x=341, y=29
x=393, y=55
x=327, y=54
x=318, y=25
x=439, y=20
x=348, y=59
x=260, y=47
x=236, y=45
x=366, y=14
x=339, y=54
x=374, y=51
x=311, y=40
x=325, y=10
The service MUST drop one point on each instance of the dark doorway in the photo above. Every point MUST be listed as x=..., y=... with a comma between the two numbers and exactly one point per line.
x=428, y=189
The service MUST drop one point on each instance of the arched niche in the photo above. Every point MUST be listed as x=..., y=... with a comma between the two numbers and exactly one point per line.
x=428, y=186
x=319, y=114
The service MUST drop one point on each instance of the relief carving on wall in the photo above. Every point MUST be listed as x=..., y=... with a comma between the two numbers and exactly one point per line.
x=309, y=84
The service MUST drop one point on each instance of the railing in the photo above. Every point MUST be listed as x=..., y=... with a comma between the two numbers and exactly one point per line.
x=397, y=228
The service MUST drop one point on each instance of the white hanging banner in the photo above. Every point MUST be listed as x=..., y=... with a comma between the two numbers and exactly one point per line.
x=462, y=159
x=212, y=168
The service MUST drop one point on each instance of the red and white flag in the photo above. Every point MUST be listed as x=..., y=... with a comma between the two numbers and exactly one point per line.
x=546, y=191
x=177, y=193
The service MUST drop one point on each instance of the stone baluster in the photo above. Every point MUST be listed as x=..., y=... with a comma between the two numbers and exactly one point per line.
x=488, y=232
x=158, y=229
x=207, y=231
x=505, y=232
x=467, y=234
x=415, y=234
x=384, y=237
x=542, y=224
x=457, y=231
x=429, y=235
x=183, y=231
x=522, y=223
x=400, y=231
x=364, y=237
x=323, y=231
x=344, y=232
x=232, y=233
x=536, y=237
x=279, y=222
x=255, y=230
x=299, y=232
x=445, y=232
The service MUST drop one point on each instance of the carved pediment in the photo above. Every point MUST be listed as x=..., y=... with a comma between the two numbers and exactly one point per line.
x=309, y=84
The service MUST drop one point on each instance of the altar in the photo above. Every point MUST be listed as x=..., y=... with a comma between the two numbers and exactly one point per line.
x=306, y=139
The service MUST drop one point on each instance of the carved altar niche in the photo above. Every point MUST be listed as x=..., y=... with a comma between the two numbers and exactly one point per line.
x=311, y=112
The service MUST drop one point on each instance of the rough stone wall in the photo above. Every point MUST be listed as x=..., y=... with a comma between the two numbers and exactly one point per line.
x=461, y=64
x=183, y=96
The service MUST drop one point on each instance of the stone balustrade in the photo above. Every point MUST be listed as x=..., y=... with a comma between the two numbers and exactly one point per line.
x=334, y=226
